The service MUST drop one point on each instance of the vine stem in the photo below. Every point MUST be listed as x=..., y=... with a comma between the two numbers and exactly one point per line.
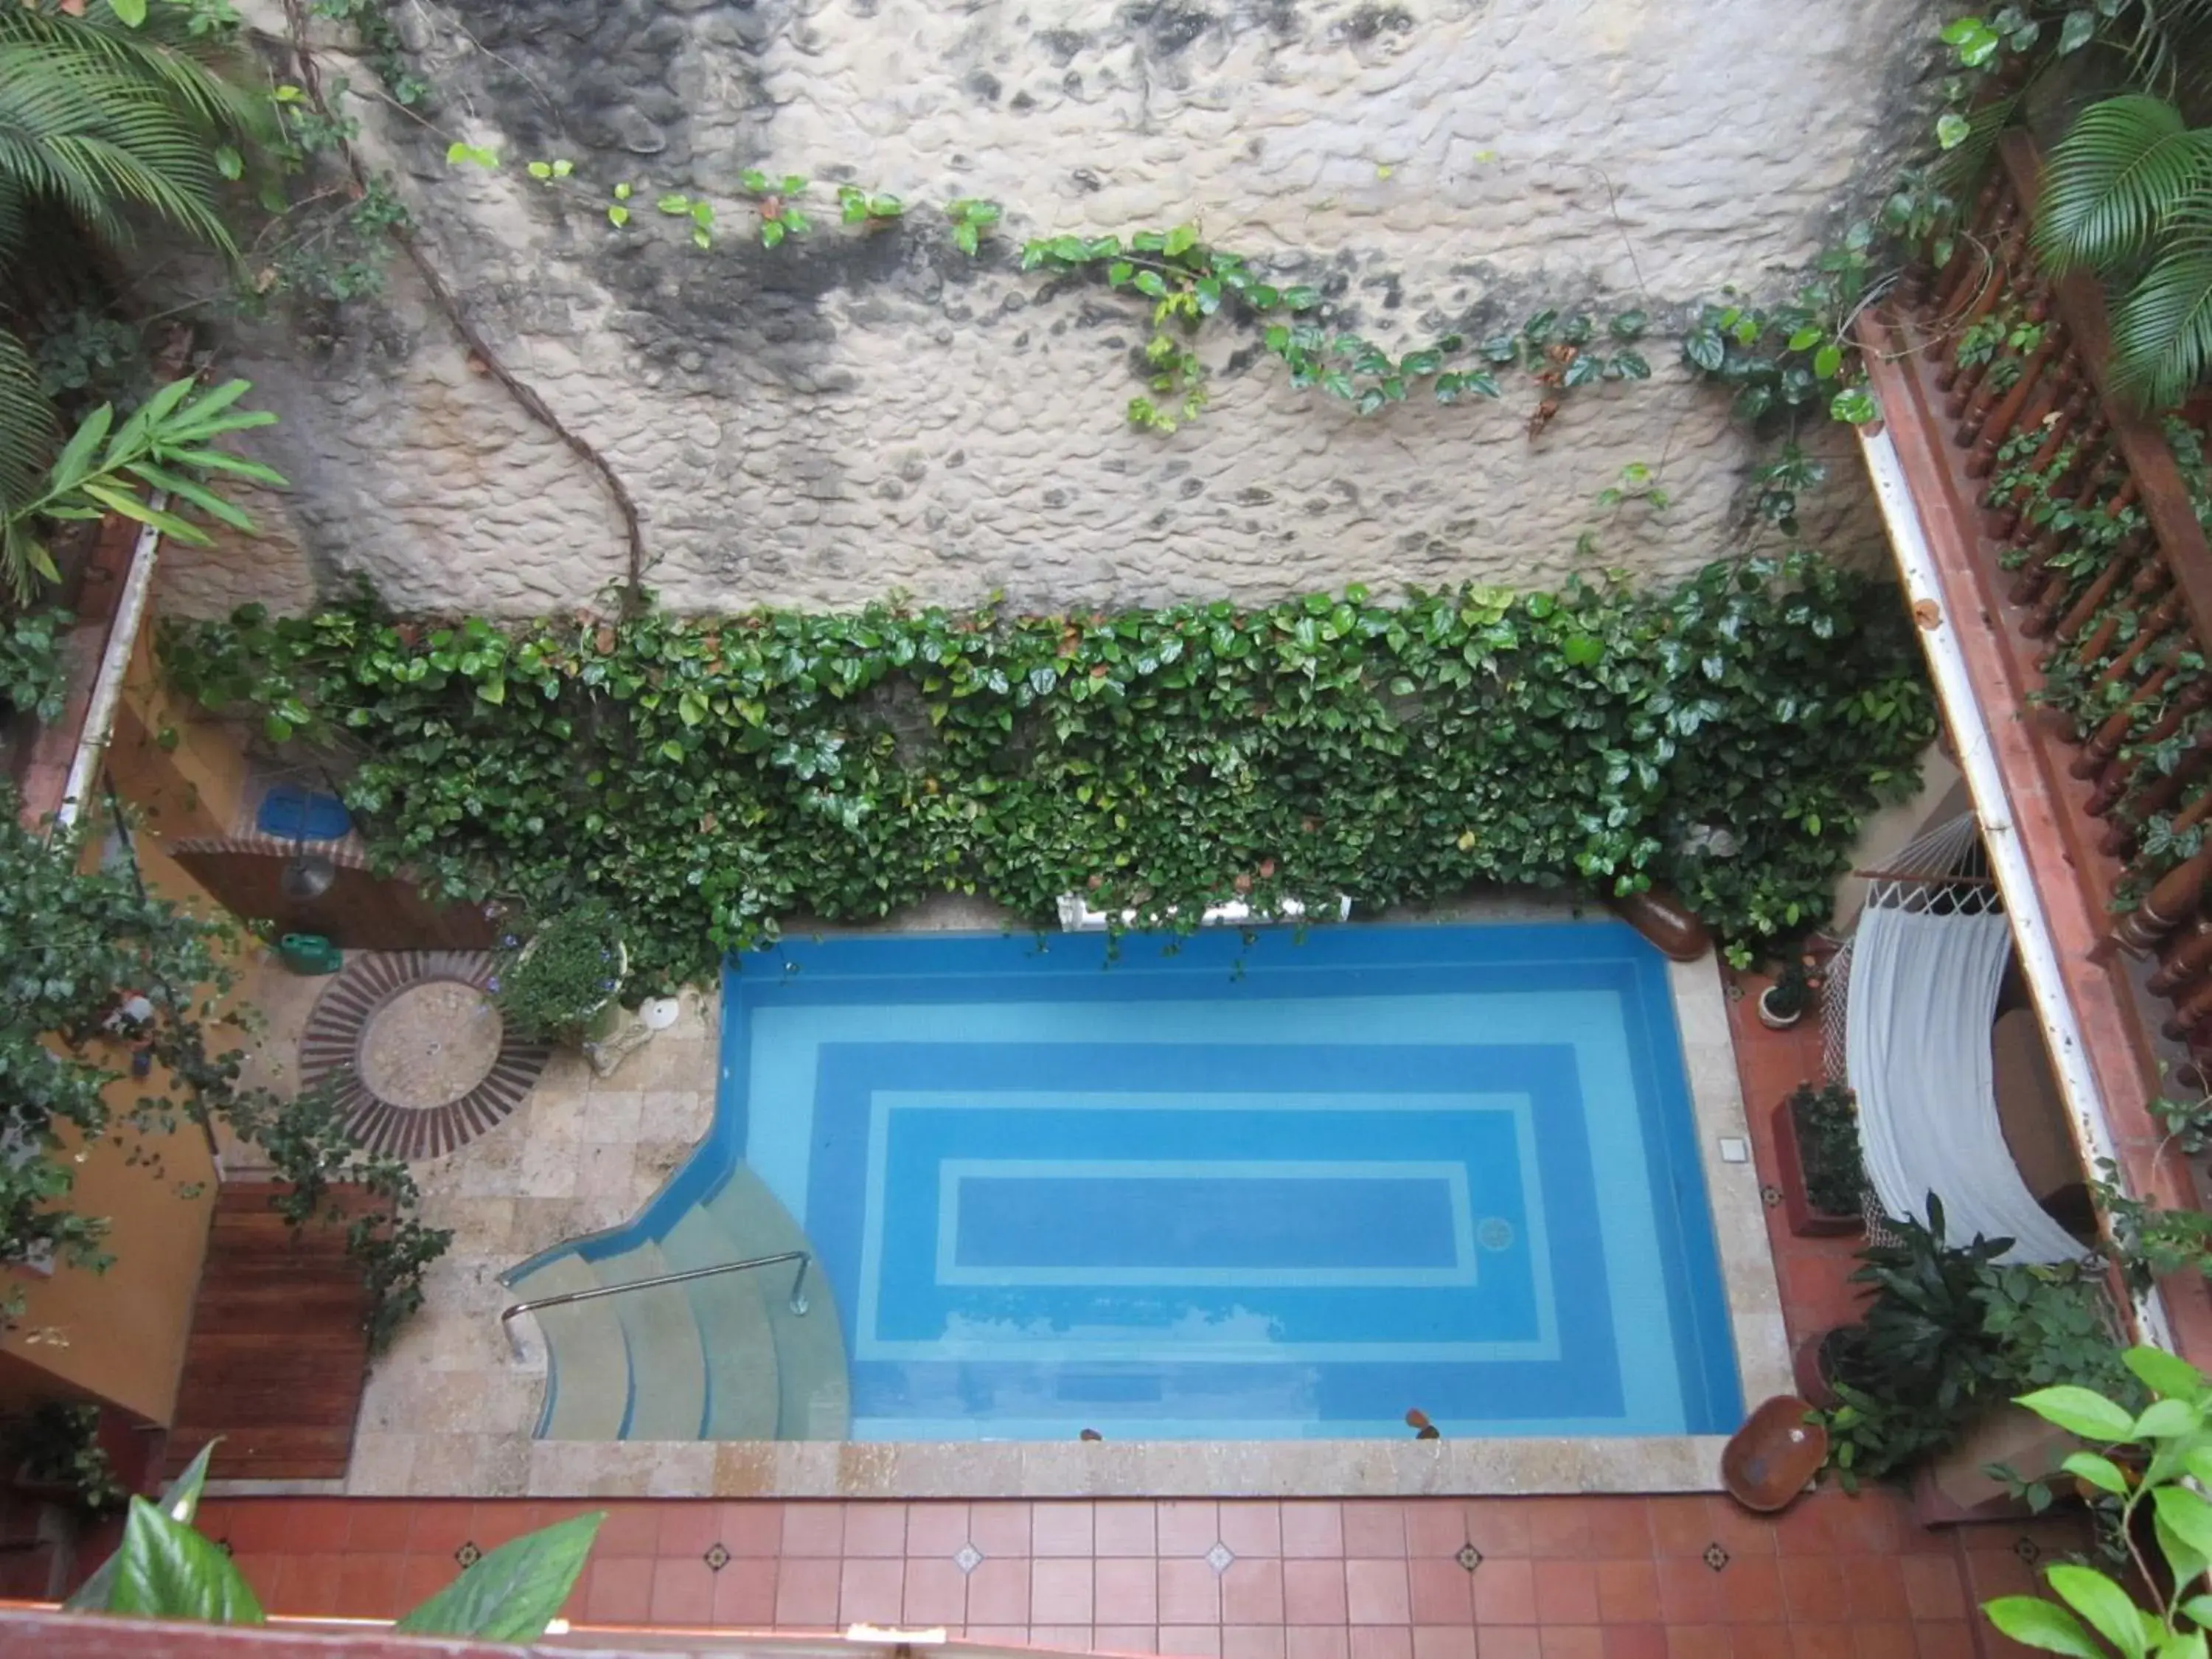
x=480, y=348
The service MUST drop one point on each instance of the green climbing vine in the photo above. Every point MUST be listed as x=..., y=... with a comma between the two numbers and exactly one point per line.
x=710, y=778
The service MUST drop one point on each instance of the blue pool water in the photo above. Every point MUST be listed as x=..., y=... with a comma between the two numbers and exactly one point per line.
x=1243, y=1187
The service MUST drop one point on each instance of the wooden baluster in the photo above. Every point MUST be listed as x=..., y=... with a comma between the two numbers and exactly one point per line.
x=2067, y=400
x=2163, y=790
x=2105, y=742
x=2035, y=572
x=2126, y=564
x=2191, y=1012
x=2172, y=899
x=2185, y=957
x=2004, y=418
x=2150, y=577
x=1964, y=310
x=2148, y=632
x=1977, y=233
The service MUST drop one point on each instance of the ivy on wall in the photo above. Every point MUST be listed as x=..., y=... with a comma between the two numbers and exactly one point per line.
x=714, y=779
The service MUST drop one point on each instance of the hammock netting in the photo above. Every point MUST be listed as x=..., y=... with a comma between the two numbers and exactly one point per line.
x=1906, y=1020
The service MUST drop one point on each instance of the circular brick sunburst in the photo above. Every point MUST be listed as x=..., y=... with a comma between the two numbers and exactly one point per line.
x=423, y=1063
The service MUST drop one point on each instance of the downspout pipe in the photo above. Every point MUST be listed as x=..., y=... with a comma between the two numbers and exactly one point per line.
x=2030, y=929
x=114, y=668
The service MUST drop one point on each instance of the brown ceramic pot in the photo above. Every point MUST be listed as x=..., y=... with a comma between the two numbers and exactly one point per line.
x=1666, y=921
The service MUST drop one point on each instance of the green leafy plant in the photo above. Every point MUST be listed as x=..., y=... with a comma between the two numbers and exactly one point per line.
x=1562, y=353
x=972, y=219
x=1636, y=483
x=2128, y=194
x=2188, y=1122
x=78, y=946
x=2151, y=1462
x=168, y=445
x=2148, y=1240
x=84, y=356
x=859, y=207
x=164, y=1569
x=1778, y=485
x=58, y=1445
x=550, y=985
x=382, y=48
x=706, y=777
x=1920, y=1362
x=327, y=1177
x=1949, y=1332
x=1186, y=282
x=1827, y=1124
x=776, y=201
x=33, y=676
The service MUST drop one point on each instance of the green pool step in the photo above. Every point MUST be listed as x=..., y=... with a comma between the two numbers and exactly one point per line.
x=586, y=1354
x=815, y=1390
x=667, y=1368
x=740, y=1382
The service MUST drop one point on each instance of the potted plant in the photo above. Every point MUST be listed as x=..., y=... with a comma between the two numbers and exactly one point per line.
x=1783, y=1003
x=554, y=987
x=1816, y=1141
x=62, y=1460
x=1923, y=1359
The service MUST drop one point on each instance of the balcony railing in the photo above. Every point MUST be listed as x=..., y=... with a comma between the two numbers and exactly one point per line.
x=2097, y=549
x=2065, y=530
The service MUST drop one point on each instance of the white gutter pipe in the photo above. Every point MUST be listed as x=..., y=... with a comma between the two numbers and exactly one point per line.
x=114, y=669
x=2030, y=929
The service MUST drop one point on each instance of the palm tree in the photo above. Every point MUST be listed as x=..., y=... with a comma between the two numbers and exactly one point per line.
x=2128, y=194
x=118, y=114
x=98, y=116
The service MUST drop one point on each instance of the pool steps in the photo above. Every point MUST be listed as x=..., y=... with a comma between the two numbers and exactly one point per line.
x=718, y=1359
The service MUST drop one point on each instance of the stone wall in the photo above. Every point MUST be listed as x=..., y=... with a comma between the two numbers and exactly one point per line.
x=852, y=413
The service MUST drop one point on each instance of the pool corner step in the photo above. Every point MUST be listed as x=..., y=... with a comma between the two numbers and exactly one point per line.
x=813, y=1386
x=587, y=1378
x=667, y=1367
x=739, y=1360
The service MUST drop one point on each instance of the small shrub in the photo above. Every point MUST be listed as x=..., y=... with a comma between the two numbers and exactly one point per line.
x=1827, y=1120
x=571, y=968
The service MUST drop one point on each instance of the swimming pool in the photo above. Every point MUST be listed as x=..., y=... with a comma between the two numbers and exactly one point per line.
x=1230, y=1187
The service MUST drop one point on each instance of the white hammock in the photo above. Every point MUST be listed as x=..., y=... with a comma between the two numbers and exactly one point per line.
x=1926, y=966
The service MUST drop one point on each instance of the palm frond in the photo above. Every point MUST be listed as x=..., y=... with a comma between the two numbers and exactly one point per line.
x=2167, y=42
x=2162, y=325
x=2112, y=186
x=27, y=426
x=96, y=116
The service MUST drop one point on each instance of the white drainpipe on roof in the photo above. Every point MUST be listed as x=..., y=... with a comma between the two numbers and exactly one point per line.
x=2031, y=931
x=114, y=669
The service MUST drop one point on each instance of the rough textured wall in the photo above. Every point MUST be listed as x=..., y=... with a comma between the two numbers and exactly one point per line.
x=850, y=414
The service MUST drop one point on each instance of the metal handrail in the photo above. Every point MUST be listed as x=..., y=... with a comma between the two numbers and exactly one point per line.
x=798, y=1283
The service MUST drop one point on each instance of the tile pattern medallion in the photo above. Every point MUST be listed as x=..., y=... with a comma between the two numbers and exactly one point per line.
x=423, y=1061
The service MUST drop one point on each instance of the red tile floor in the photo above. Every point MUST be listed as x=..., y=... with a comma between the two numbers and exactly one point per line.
x=1694, y=1577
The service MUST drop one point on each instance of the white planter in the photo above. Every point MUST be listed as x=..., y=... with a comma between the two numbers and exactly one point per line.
x=1772, y=1021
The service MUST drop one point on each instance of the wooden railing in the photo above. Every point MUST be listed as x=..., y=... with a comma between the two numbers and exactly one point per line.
x=2097, y=549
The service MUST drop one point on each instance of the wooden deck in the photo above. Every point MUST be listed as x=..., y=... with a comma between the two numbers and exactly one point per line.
x=277, y=1356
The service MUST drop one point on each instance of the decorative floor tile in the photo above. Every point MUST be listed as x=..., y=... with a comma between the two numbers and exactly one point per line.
x=968, y=1557
x=716, y=1558
x=1716, y=1556
x=1219, y=1558
x=1468, y=1557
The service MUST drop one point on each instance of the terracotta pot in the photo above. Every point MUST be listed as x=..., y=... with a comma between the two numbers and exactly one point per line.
x=1810, y=1367
x=1665, y=922
x=1774, y=1456
x=1805, y=1221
